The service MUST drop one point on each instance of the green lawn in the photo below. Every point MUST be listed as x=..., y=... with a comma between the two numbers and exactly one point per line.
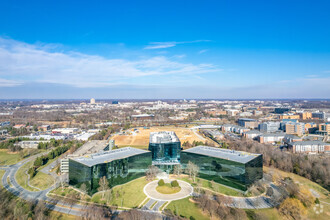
x=186, y=208
x=21, y=176
x=214, y=187
x=271, y=214
x=42, y=181
x=7, y=158
x=168, y=189
x=2, y=172
x=128, y=195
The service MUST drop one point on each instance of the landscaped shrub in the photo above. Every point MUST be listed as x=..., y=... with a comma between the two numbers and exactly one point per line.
x=174, y=183
x=161, y=182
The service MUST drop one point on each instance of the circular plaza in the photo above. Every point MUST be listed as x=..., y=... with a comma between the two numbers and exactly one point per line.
x=151, y=191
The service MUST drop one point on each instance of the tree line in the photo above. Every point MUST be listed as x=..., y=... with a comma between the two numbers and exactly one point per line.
x=312, y=167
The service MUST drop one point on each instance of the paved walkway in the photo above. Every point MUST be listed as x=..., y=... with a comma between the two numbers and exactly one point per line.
x=151, y=192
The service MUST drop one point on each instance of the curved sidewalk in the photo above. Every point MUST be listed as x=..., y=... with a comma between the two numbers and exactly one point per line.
x=151, y=192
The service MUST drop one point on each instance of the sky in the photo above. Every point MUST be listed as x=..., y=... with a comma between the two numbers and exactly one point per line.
x=165, y=49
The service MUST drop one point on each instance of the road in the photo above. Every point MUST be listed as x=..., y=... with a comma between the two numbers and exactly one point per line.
x=19, y=191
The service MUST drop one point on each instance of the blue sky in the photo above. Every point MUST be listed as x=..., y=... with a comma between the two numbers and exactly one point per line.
x=165, y=49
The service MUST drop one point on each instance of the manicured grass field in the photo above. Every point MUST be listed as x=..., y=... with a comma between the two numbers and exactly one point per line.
x=7, y=158
x=186, y=208
x=21, y=176
x=168, y=189
x=216, y=187
x=128, y=195
x=42, y=180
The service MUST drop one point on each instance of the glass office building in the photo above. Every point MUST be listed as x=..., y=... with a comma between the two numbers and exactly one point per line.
x=119, y=166
x=165, y=149
x=236, y=169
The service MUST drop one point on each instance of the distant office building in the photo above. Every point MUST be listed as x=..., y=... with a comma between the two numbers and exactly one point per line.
x=253, y=134
x=288, y=138
x=289, y=116
x=236, y=169
x=295, y=128
x=30, y=144
x=318, y=115
x=271, y=138
x=118, y=166
x=310, y=147
x=324, y=129
x=269, y=127
x=4, y=123
x=3, y=132
x=165, y=149
x=92, y=101
x=281, y=110
x=142, y=117
x=248, y=122
x=115, y=102
x=44, y=128
x=305, y=115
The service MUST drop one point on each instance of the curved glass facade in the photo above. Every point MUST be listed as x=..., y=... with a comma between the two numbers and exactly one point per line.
x=117, y=171
x=227, y=172
x=165, y=152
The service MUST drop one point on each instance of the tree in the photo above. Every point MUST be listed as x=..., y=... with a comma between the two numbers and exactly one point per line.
x=292, y=208
x=83, y=189
x=152, y=172
x=177, y=170
x=161, y=182
x=104, y=185
x=174, y=183
x=193, y=170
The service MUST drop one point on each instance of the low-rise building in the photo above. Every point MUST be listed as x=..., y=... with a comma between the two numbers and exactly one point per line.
x=248, y=123
x=291, y=138
x=295, y=128
x=311, y=147
x=269, y=127
x=324, y=129
x=253, y=134
x=30, y=144
x=271, y=138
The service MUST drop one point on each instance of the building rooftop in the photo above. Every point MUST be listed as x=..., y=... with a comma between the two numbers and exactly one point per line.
x=90, y=147
x=237, y=156
x=142, y=116
x=163, y=137
x=246, y=119
x=273, y=135
x=308, y=143
x=108, y=156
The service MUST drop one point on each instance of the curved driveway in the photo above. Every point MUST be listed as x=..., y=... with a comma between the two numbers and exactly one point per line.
x=19, y=191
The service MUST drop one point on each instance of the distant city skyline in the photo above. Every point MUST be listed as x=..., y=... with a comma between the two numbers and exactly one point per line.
x=170, y=50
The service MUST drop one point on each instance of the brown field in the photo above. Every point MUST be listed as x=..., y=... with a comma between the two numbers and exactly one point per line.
x=142, y=137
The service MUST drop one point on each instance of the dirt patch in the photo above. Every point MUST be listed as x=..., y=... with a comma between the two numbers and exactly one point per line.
x=141, y=135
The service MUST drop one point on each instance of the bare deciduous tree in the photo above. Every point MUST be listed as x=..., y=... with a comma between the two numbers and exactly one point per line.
x=104, y=185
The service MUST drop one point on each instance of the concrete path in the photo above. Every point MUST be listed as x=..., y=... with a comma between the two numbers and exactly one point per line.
x=149, y=204
x=151, y=192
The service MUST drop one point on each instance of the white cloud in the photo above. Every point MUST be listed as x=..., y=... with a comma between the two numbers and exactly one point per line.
x=9, y=83
x=162, y=45
x=202, y=51
x=42, y=63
